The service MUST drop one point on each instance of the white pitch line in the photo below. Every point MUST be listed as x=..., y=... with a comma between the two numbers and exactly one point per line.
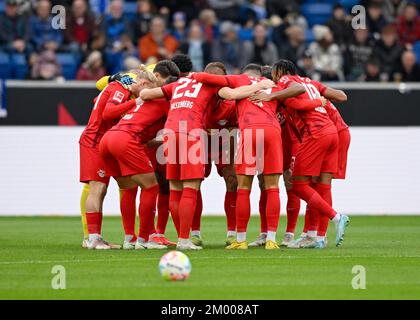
x=139, y=259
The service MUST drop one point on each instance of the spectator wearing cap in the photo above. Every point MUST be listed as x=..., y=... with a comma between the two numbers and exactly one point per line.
x=144, y=15
x=408, y=25
x=326, y=54
x=307, y=67
x=92, y=68
x=260, y=50
x=157, y=42
x=358, y=53
x=43, y=34
x=14, y=29
x=46, y=67
x=295, y=47
x=80, y=25
x=179, y=26
x=197, y=48
x=375, y=20
x=340, y=26
x=228, y=48
x=409, y=71
x=388, y=51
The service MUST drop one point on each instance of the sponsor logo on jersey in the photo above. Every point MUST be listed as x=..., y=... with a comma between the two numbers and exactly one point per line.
x=222, y=122
x=101, y=173
x=118, y=96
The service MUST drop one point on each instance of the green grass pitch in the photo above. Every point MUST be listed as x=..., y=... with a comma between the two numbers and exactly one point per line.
x=387, y=247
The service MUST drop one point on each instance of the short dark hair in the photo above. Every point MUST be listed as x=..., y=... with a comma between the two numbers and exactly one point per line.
x=266, y=72
x=256, y=68
x=183, y=62
x=167, y=68
x=284, y=66
x=215, y=65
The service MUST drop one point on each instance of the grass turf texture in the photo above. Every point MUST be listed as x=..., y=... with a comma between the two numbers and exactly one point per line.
x=386, y=246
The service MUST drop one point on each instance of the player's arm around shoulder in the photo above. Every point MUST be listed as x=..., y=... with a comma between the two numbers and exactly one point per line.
x=245, y=91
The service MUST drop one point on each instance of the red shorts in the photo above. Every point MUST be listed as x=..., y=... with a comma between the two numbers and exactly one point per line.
x=124, y=155
x=316, y=155
x=260, y=150
x=343, y=148
x=185, y=156
x=92, y=167
x=221, y=157
x=157, y=165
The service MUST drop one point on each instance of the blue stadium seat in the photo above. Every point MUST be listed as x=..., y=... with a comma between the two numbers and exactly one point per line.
x=68, y=65
x=2, y=7
x=5, y=68
x=348, y=4
x=416, y=49
x=317, y=13
x=19, y=66
x=309, y=36
x=130, y=9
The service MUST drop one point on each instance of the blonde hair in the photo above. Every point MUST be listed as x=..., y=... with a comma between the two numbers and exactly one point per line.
x=142, y=72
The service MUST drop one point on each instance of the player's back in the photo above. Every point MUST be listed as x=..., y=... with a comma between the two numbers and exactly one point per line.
x=189, y=102
x=336, y=117
x=316, y=120
x=252, y=114
x=223, y=115
x=97, y=126
x=145, y=120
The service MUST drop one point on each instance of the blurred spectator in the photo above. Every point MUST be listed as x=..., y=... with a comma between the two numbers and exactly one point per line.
x=208, y=22
x=388, y=51
x=226, y=9
x=326, y=54
x=92, y=68
x=372, y=71
x=46, y=67
x=307, y=67
x=340, y=25
x=180, y=26
x=278, y=33
x=409, y=70
x=14, y=31
x=281, y=7
x=260, y=49
x=197, y=48
x=256, y=9
x=228, y=48
x=295, y=47
x=157, y=43
x=358, y=53
x=116, y=28
x=131, y=63
x=408, y=25
x=80, y=25
x=43, y=34
x=246, y=32
x=144, y=15
x=375, y=21
x=393, y=8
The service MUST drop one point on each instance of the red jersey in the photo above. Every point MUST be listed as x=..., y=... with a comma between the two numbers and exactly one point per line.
x=145, y=120
x=223, y=115
x=114, y=94
x=252, y=114
x=316, y=120
x=189, y=103
x=292, y=125
x=335, y=117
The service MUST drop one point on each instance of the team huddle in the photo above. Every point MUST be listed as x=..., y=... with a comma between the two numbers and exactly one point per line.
x=161, y=128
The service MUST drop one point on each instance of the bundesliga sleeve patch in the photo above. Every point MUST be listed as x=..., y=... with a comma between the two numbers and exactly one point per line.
x=118, y=96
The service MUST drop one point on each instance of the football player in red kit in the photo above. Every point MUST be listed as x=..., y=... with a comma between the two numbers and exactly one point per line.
x=109, y=106
x=317, y=155
x=260, y=150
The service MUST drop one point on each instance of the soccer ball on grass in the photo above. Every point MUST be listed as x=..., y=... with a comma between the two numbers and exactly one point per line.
x=175, y=266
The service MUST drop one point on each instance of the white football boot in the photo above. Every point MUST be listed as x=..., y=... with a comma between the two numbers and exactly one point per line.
x=187, y=245
x=260, y=241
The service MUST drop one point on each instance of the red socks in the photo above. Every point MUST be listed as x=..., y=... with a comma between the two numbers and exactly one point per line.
x=196, y=223
x=312, y=198
x=325, y=192
x=272, y=211
x=243, y=209
x=293, y=208
x=147, y=210
x=230, y=210
x=174, y=199
x=187, y=206
x=94, y=222
x=128, y=210
x=262, y=207
x=163, y=212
